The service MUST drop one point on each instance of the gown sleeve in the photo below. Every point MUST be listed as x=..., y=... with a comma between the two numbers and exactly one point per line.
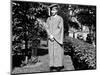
x=47, y=27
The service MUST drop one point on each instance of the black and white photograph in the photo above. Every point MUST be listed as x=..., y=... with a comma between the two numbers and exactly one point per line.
x=52, y=37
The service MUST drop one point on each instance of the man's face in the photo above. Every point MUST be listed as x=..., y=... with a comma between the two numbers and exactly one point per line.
x=54, y=11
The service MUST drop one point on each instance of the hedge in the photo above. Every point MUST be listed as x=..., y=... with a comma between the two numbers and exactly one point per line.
x=83, y=54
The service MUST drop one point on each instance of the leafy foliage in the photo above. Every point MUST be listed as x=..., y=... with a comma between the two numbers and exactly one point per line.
x=83, y=54
x=25, y=26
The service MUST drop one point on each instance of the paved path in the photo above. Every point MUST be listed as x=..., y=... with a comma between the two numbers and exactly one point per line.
x=42, y=66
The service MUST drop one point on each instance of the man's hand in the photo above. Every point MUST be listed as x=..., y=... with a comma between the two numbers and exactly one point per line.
x=51, y=38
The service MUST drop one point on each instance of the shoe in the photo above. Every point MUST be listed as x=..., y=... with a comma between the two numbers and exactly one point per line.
x=59, y=68
x=62, y=67
x=53, y=69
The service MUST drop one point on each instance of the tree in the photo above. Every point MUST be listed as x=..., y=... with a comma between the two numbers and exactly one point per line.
x=25, y=26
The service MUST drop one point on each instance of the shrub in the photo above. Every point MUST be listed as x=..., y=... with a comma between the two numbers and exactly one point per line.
x=83, y=54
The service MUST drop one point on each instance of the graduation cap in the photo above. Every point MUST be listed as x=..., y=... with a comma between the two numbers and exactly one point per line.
x=52, y=6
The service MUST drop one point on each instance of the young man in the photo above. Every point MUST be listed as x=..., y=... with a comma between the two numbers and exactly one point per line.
x=55, y=39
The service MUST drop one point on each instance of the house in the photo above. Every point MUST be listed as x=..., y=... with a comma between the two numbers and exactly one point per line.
x=75, y=33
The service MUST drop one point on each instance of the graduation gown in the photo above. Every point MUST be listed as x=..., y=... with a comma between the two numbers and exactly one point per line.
x=56, y=52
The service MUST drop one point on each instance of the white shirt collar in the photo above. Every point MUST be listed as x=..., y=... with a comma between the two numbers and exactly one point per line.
x=54, y=16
